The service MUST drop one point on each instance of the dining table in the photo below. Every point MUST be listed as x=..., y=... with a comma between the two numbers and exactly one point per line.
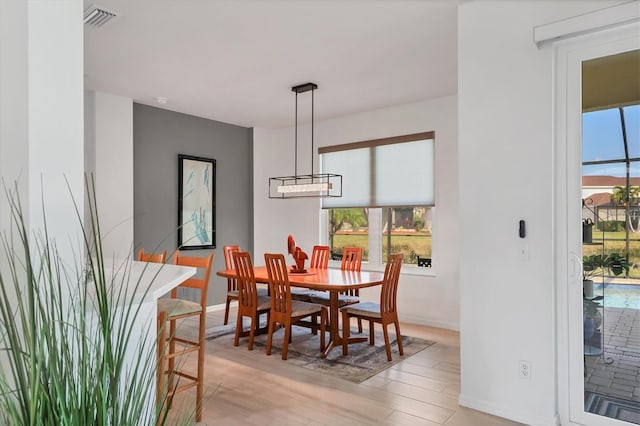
x=333, y=281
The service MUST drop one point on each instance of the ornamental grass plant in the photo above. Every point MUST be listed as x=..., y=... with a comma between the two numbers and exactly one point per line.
x=70, y=348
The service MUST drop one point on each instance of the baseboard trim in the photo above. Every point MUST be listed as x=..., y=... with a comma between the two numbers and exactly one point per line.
x=426, y=321
x=403, y=318
x=507, y=413
x=214, y=308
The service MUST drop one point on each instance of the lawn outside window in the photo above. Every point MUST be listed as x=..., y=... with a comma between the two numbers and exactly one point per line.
x=406, y=230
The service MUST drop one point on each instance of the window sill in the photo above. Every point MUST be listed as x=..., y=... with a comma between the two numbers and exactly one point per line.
x=406, y=269
x=418, y=271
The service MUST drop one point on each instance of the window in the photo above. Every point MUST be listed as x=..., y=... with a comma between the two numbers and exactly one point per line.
x=388, y=198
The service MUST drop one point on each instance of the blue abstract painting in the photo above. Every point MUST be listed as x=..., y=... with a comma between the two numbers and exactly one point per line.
x=197, y=209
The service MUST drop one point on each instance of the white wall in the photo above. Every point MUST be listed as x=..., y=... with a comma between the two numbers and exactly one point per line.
x=14, y=98
x=55, y=100
x=109, y=158
x=505, y=143
x=431, y=300
x=41, y=57
x=41, y=61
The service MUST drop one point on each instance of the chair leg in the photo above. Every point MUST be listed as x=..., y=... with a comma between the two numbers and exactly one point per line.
x=200, y=386
x=226, y=311
x=386, y=341
x=270, y=337
x=323, y=327
x=172, y=350
x=285, y=343
x=399, y=337
x=252, y=331
x=372, y=334
x=162, y=341
x=314, y=324
x=238, y=330
x=359, y=325
x=345, y=333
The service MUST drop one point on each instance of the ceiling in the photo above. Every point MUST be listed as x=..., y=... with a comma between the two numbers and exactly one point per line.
x=235, y=61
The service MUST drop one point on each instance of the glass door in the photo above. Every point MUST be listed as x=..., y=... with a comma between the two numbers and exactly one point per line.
x=597, y=296
x=611, y=248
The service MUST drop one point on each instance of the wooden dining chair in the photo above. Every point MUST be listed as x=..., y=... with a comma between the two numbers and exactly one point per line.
x=250, y=304
x=172, y=309
x=384, y=313
x=232, y=283
x=319, y=260
x=285, y=310
x=351, y=262
x=351, y=259
x=152, y=257
x=320, y=257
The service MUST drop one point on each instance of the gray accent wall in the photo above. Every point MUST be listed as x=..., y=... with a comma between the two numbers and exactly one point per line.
x=159, y=136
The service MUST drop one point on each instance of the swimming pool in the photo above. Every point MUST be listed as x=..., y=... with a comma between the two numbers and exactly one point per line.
x=620, y=295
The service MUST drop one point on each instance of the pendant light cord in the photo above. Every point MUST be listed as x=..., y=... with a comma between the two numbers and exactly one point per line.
x=298, y=89
x=296, y=139
x=312, y=113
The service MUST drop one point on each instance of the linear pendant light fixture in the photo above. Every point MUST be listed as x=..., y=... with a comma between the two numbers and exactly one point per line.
x=314, y=185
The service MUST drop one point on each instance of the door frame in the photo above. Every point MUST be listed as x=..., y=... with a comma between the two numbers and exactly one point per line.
x=569, y=53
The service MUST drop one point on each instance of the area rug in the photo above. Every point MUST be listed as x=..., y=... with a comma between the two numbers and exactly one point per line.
x=362, y=362
x=612, y=407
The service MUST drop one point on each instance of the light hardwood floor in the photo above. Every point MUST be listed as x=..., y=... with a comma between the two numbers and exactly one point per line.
x=242, y=389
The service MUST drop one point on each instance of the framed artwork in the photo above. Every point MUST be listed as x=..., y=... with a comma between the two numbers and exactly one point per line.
x=196, y=203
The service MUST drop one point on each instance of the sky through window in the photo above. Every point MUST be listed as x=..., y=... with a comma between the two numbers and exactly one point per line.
x=602, y=140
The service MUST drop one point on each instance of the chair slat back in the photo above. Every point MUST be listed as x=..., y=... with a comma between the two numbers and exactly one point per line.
x=232, y=283
x=202, y=284
x=279, y=285
x=351, y=259
x=389, y=292
x=247, y=289
x=152, y=257
x=320, y=257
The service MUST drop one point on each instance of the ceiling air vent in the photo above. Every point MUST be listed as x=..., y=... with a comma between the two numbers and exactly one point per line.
x=96, y=16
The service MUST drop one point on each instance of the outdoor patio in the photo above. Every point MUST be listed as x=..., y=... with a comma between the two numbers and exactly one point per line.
x=616, y=372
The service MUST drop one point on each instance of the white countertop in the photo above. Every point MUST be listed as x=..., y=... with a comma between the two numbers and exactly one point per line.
x=146, y=282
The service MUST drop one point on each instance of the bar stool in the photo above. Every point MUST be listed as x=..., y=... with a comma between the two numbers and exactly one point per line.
x=172, y=309
x=152, y=257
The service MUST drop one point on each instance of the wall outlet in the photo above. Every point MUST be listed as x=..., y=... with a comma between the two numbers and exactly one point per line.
x=524, y=370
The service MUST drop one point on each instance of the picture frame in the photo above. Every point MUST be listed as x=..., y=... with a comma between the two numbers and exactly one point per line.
x=196, y=202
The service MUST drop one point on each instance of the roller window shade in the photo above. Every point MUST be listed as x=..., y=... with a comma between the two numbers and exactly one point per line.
x=383, y=173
